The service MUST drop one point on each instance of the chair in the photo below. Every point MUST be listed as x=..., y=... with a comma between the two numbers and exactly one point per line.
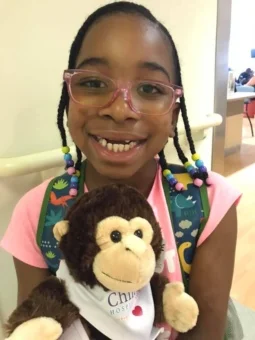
x=246, y=104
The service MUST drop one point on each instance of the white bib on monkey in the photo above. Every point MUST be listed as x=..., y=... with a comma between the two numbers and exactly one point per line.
x=128, y=316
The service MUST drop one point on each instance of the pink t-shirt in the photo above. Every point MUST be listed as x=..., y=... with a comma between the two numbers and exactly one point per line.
x=20, y=237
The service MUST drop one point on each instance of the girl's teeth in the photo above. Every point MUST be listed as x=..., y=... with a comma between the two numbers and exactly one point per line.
x=109, y=146
x=117, y=147
x=121, y=147
x=103, y=142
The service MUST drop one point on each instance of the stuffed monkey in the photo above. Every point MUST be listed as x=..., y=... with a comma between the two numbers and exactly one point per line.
x=110, y=241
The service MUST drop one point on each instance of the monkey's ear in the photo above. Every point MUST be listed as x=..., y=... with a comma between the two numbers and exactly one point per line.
x=60, y=229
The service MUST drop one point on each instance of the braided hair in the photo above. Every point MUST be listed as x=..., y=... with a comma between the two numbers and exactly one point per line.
x=199, y=173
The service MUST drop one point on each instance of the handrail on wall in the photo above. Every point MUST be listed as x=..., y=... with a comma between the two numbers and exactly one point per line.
x=41, y=161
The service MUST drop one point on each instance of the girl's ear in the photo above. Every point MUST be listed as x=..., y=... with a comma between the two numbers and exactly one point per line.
x=175, y=116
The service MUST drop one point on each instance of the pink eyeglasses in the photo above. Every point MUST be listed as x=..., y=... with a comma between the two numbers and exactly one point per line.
x=92, y=89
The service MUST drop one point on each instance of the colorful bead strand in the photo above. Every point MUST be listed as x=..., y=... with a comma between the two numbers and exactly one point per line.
x=172, y=180
x=71, y=171
x=201, y=167
x=192, y=171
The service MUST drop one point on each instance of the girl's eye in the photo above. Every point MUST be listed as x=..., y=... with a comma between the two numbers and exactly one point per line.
x=149, y=89
x=92, y=84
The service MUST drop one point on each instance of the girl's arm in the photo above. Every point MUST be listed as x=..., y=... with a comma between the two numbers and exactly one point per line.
x=28, y=278
x=211, y=279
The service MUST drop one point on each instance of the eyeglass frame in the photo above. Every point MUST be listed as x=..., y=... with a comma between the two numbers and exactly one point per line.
x=69, y=73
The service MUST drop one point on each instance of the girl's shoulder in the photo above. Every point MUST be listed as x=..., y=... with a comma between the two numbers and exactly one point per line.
x=222, y=190
x=20, y=237
x=35, y=195
x=30, y=203
x=222, y=195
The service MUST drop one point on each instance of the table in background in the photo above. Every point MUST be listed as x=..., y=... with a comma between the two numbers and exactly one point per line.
x=234, y=120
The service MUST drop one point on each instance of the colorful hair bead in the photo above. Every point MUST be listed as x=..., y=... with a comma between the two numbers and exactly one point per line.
x=73, y=192
x=71, y=171
x=74, y=185
x=198, y=182
x=195, y=157
x=172, y=180
x=209, y=181
x=203, y=168
x=67, y=157
x=70, y=163
x=179, y=186
x=65, y=149
x=192, y=172
x=199, y=163
x=74, y=179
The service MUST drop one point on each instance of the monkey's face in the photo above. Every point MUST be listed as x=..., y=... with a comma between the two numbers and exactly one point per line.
x=126, y=260
x=107, y=243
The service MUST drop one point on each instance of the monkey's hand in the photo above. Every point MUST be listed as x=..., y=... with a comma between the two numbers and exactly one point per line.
x=48, y=300
x=37, y=329
x=180, y=309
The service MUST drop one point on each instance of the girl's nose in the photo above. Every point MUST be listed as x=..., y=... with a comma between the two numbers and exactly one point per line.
x=120, y=109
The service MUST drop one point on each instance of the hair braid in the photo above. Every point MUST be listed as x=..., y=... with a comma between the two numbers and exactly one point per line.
x=199, y=175
x=60, y=117
x=162, y=160
x=79, y=158
x=180, y=153
x=186, y=124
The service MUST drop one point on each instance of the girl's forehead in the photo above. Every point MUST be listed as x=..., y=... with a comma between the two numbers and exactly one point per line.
x=126, y=41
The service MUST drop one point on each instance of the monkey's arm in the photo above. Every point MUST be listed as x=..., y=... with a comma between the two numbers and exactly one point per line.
x=173, y=305
x=158, y=284
x=48, y=299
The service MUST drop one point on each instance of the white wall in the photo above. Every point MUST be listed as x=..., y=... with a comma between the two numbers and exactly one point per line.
x=242, y=36
x=35, y=38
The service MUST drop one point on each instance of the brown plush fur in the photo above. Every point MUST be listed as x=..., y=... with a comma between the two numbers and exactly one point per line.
x=158, y=284
x=87, y=212
x=48, y=299
x=79, y=249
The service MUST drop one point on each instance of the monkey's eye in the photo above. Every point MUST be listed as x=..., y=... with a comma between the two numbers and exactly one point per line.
x=116, y=236
x=139, y=233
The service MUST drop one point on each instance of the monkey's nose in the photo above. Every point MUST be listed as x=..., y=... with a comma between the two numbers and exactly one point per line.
x=134, y=244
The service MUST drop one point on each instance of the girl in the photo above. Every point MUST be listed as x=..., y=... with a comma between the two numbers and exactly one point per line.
x=122, y=94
